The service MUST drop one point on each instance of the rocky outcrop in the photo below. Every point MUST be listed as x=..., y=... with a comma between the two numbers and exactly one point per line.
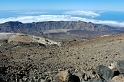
x=18, y=37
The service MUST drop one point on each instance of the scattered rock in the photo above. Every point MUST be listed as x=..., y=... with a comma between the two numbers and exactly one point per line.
x=78, y=75
x=36, y=62
x=91, y=74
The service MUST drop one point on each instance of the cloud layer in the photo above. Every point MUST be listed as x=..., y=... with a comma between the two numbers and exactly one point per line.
x=83, y=13
x=40, y=18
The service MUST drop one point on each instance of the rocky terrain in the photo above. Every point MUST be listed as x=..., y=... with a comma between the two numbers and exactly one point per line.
x=60, y=30
x=34, y=61
x=18, y=37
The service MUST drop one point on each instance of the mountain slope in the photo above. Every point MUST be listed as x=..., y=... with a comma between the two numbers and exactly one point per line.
x=60, y=30
x=75, y=54
x=49, y=25
x=24, y=59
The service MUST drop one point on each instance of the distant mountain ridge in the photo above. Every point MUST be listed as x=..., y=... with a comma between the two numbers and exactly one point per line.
x=39, y=27
x=60, y=30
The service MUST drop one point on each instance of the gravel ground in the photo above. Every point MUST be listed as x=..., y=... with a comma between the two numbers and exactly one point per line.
x=78, y=55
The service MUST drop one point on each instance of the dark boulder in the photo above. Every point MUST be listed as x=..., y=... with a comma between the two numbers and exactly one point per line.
x=120, y=66
x=104, y=72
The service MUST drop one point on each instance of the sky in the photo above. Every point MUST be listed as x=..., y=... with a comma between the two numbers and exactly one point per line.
x=109, y=12
x=62, y=5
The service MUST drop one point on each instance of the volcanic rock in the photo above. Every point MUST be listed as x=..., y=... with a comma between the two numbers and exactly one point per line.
x=104, y=72
x=120, y=66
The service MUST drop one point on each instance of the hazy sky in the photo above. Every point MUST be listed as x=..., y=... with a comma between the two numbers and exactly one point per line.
x=116, y=5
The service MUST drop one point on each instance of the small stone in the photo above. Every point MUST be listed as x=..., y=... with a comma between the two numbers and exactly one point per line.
x=64, y=76
x=79, y=75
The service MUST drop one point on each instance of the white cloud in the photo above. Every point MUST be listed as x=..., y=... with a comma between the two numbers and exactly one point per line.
x=107, y=22
x=40, y=18
x=28, y=19
x=83, y=13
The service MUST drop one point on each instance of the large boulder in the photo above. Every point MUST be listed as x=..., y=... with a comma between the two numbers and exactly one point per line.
x=120, y=66
x=104, y=72
x=117, y=79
